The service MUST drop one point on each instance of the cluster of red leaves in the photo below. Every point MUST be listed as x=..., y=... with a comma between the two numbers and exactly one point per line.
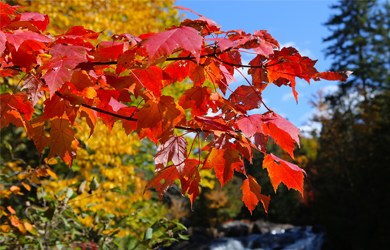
x=122, y=80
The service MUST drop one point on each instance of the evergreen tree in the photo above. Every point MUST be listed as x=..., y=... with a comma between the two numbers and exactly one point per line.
x=360, y=44
x=351, y=183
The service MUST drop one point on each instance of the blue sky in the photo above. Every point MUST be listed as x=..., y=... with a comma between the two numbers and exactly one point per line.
x=292, y=23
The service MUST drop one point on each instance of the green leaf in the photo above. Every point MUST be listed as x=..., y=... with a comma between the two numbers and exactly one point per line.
x=179, y=225
x=69, y=193
x=77, y=184
x=183, y=237
x=116, y=190
x=94, y=185
x=148, y=233
x=90, y=205
x=50, y=198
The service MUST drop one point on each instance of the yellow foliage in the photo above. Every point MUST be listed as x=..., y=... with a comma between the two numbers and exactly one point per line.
x=110, y=16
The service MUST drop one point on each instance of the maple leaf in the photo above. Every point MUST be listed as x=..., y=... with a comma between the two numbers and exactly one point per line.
x=246, y=98
x=218, y=73
x=244, y=146
x=163, y=179
x=90, y=116
x=41, y=141
x=216, y=124
x=3, y=40
x=57, y=106
x=175, y=150
x=176, y=72
x=164, y=43
x=17, y=102
x=251, y=191
x=284, y=125
x=281, y=137
x=261, y=141
x=223, y=43
x=267, y=43
x=19, y=36
x=190, y=179
x=26, y=56
x=151, y=79
x=64, y=60
x=37, y=19
x=335, y=76
x=282, y=171
x=224, y=162
x=131, y=112
x=81, y=80
x=283, y=132
x=197, y=99
x=289, y=64
x=80, y=31
x=33, y=86
x=62, y=141
x=259, y=75
x=158, y=116
x=15, y=117
x=109, y=51
x=251, y=124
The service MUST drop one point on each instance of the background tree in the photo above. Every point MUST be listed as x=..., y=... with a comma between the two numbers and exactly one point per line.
x=360, y=44
x=351, y=166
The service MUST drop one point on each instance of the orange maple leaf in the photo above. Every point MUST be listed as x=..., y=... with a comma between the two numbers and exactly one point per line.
x=251, y=191
x=158, y=117
x=290, y=174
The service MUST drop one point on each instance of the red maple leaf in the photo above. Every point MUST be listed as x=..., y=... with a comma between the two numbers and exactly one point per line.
x=37, y=19
x=40, y=139
x=288, y=64
x=190, y=179
x=62, y=141
x=151, y=79
x=3, y=40
x=224, y=162
x=335, y=76
x=284, y=125
x=259, y=75
x=251, y=124
x=251, y=191
x=163, y=179
x=19, y=36
x=164, y=43
x=175, y=150
x=158, y=116
x=197, y=99
x=33, y=86
x=246, y=97
x=60, y=67
x=282, y=171
x=18, y=102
